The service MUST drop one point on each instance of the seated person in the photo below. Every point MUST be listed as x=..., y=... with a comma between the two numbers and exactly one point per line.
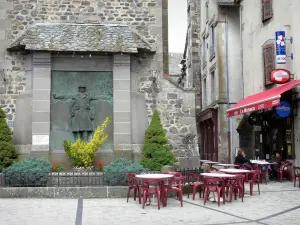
x=241, y=157
x=276, y=166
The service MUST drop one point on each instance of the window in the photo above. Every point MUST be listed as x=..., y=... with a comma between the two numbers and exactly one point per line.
x=212, y=87
x=269, y=62
x=212, y=43
x=267, y=9
x=204, y=92
x=206, y=12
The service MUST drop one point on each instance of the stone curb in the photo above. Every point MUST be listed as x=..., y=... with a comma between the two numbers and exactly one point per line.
x=64, y=192
x=68, y=192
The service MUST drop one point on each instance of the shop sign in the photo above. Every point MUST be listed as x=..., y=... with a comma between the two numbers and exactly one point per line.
x=280, y=76
x=254, y=107
x=283, y=110
x=280, y=47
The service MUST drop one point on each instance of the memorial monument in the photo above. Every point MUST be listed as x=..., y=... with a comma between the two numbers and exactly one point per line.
x=82, y=113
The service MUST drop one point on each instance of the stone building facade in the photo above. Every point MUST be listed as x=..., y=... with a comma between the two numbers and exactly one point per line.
x=259, y=20
x=138, y=62
x=220, y=79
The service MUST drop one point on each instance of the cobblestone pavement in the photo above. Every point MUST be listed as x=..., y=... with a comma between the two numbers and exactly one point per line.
x=277, y=204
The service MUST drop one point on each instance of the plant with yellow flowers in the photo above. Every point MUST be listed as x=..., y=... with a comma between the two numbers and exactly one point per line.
x=83, y=154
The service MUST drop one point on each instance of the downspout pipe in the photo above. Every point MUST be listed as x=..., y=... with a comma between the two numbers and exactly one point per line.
x=229, y=120
x=241, y=42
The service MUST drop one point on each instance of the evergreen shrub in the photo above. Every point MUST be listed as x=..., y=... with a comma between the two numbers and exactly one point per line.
x=115, y=173
x=8, y=152
x=30, y=172
x=156, y=151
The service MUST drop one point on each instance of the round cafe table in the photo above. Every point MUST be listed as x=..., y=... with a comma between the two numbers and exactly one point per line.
x=261, y=164
x=234, y=171
x=203, y=161
x=237, y=171
x=154, y=176
x=226, y=166
x=218, y=175
x=210, y=163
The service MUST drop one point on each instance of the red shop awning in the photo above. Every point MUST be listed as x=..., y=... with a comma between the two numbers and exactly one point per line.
x=262, y=100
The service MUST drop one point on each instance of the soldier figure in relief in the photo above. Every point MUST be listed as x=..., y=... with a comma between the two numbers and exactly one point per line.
x=82, y=113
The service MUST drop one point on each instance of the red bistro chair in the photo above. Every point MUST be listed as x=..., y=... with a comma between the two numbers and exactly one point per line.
x=153, y=186
x=285, y=170
x=296, y=175
x=175, y=185
x=254, y=180
x=214, y=185
x=195, y=183
x=133, y=184
x=237, y=186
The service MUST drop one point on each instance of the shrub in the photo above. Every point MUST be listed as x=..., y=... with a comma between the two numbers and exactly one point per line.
x=156, y=151
x=30, y=172
x=115, y=173
x=8, y=152
x=83, y=154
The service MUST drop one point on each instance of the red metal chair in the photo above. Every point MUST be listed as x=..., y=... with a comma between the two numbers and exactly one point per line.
x=153, y=186
x=175, y=185
x=133, y=184
x=214, y=185
x=296, y=175
x=254, y=180
x=237, y=186
x=195, y=183
x=285, y=170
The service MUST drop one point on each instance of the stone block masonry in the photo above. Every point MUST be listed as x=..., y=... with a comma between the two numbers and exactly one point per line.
x=17, y=16
x=144, y=76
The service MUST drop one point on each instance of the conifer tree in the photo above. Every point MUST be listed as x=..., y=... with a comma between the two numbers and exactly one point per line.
x=8, y=152
x=156, y=151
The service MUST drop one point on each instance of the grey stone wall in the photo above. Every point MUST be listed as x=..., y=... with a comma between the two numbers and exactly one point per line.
x=148, y=17
x=175, y=105
x=16, y=16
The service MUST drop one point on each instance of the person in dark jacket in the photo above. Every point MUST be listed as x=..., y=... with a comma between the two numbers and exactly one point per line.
x=277, y=160
x=241, y=157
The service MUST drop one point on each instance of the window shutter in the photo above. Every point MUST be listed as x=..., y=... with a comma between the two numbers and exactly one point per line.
x=269, y=63
x=267, y=10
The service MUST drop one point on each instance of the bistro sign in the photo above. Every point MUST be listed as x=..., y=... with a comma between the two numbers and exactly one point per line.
x=280, y=47
x=280, y=76
x=284, y=109
x=254, y=107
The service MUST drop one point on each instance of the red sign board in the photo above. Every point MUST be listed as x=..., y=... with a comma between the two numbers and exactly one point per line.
x=280, y=76
x=254, y=107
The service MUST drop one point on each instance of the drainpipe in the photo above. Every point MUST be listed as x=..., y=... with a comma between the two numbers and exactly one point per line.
x=229, y=120
x=241, y=40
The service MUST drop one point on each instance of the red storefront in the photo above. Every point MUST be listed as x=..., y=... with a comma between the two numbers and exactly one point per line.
x=209, y=134
x=270, y=132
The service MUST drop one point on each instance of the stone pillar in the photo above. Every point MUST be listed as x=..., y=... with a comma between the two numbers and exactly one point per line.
x=121, y=105
x=41, y=89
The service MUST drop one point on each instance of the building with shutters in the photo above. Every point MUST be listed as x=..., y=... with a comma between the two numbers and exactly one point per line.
x=264, y=127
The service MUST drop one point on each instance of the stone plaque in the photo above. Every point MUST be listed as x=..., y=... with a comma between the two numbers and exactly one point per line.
x=40, y=139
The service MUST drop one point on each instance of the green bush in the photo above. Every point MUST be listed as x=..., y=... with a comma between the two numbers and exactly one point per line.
x=31, y=172
x=8, y=152
x=115, y=173
x=156, y=151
